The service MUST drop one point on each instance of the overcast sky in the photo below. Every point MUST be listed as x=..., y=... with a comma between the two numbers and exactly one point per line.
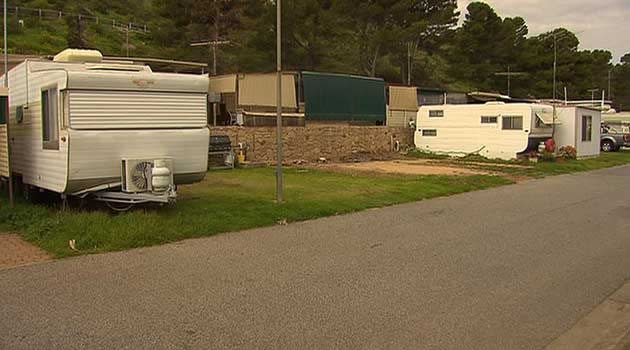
x=599, y=24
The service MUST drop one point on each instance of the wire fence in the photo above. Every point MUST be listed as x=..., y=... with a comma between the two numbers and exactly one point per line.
x=46, y=14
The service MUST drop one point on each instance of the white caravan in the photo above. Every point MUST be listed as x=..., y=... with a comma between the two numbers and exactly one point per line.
x=493, y=130
x=82, y=126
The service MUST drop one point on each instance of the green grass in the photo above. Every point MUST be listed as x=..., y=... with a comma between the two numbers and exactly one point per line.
x=226, y=201
x=542, y=169
x=529, y=169
x=420, y=154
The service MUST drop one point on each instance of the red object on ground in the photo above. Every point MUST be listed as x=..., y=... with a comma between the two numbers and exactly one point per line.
x=550, y=145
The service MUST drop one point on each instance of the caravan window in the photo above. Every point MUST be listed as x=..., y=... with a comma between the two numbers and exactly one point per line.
x=50, y=127
x=436, y=113
x=429, y=132
x=489, y=120
x=512, y=123
x=4, y=109
x=587, y=128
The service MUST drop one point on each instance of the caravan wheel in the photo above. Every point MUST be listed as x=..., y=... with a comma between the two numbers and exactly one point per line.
x=28, y=192
x=119, y=207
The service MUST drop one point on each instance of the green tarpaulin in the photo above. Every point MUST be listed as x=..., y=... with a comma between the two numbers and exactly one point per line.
x=343, y=97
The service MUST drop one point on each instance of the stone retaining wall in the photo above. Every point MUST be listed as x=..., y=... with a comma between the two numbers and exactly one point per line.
x=310, y=143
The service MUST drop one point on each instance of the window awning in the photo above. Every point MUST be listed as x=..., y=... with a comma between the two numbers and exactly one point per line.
x=547, y=118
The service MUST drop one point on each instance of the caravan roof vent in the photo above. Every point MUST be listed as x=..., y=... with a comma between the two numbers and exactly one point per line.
x=79, y=56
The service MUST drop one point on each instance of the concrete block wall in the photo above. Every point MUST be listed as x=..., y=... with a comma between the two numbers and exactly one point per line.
x=333, y=142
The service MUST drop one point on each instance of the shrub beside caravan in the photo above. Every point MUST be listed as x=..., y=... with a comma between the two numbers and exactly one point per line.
x=493, y=129
x=83, y=126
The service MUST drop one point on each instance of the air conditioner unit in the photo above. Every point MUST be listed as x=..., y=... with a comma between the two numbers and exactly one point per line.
x=147, y=175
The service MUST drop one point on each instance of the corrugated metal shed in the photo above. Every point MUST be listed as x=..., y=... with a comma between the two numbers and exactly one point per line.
x=337, y=97
x=430, y=96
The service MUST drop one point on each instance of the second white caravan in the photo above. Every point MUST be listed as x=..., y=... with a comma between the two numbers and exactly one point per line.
x=493, y=130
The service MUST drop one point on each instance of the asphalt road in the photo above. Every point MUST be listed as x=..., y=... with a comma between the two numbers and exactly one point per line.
x=507, y=268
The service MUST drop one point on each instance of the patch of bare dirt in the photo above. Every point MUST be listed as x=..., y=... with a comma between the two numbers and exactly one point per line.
x=14, y=251
x=407, y=167
x=497, y=165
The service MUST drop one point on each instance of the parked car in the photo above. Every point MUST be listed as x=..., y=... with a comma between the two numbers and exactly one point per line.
x=612, y=140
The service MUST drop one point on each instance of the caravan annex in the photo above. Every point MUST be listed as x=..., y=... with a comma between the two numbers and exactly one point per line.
x=81, y=126
x=493, y=130
x=251, y=99
x=579, y=127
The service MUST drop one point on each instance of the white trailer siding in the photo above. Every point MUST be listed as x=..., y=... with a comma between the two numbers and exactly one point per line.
x=566, y=130
x=4, y=152
x=43, y=168
x=570, y=130
x=585, y=147
x=461, y=131
x=97, y=154
x=137, y=109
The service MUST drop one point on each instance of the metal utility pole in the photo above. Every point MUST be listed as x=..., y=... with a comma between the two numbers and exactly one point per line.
x=609, y=84
x=593, y=91
x=555, y=69
x=509, y=74
x=279, y=175
x=555, y=64
x=216, y=37
x=213, y=51
x=127, y=45
x=409, y=64
x=8, y=121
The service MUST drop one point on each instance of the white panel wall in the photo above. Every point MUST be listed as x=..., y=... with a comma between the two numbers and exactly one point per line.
x=569, y=132
x=137, y=109
x=43, y=168
x=566, y=130
x=586, y=148
x=98, y=154
x=460, y=130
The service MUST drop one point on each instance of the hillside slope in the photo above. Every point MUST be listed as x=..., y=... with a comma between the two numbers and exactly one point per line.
x=101, y=25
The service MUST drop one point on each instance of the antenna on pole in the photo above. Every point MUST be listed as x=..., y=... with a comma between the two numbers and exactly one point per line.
x=212, y=44
x=509, y=74
x=593, y=91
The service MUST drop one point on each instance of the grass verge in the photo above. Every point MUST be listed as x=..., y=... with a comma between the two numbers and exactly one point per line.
x=528, y=169
x=561, y=166
x=227, y=201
